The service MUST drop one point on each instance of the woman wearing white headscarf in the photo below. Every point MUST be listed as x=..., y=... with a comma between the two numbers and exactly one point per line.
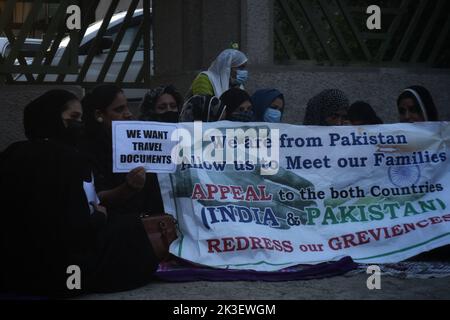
x=226, y=72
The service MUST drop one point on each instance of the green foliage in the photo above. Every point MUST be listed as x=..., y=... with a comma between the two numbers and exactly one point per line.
x=334, y=32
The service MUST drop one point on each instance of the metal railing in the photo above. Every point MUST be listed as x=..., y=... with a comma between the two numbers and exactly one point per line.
x=334, y=32
x=100, y=53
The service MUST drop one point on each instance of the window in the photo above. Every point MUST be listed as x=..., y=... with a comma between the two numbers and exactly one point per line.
x=128, y=38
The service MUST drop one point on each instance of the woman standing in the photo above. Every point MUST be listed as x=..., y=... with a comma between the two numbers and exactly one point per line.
x=227, y=71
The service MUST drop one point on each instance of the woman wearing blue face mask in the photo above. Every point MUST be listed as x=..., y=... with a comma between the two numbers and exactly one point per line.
x=226, y=72
x=268, y=105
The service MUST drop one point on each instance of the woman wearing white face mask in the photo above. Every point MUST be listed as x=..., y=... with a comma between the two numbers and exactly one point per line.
x=226, y=72
x=268, y=105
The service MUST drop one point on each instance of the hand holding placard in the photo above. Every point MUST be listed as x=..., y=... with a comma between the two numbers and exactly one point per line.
x=142, y=147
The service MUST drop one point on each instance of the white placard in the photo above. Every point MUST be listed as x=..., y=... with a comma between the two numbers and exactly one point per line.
x=143, y=144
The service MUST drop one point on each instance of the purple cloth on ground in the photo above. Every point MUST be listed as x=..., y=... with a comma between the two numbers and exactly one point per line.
x=181, y=271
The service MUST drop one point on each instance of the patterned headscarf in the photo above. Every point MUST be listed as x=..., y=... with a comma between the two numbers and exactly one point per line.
x=151, y=97
x=324, y=105
x=201, y=108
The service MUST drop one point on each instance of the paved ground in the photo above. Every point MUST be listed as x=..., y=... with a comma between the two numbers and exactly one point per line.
x=345, y=287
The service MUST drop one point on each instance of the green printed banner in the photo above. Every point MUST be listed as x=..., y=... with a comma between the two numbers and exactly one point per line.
x=379, y=194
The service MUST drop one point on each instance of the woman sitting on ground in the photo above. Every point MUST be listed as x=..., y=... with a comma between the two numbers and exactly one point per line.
x=237, y=105
x=135, y=193
x=416, y=104
x=202, y=108
x=361, y=113
x=268, y=105
x=328, y=108
x=52, y=220
x=162, y=104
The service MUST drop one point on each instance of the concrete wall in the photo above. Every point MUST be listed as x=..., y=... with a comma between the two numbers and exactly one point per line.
x=188, y=35
x=379, y=87
x=257, y=31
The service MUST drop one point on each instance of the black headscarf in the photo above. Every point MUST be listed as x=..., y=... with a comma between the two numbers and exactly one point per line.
x=98, y=99
x=151, y=98
x=324, y=105
x=46, y=219
x=362, y=111
x=424, y=101
x=233, y=98
x=99, y=149
x=42, y=117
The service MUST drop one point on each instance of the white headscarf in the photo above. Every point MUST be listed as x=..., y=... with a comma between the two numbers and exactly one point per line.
x=419, y=101
x=220, y=70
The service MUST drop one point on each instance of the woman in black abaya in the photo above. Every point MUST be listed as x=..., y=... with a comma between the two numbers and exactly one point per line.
x=47, y=221
x=123, y=194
